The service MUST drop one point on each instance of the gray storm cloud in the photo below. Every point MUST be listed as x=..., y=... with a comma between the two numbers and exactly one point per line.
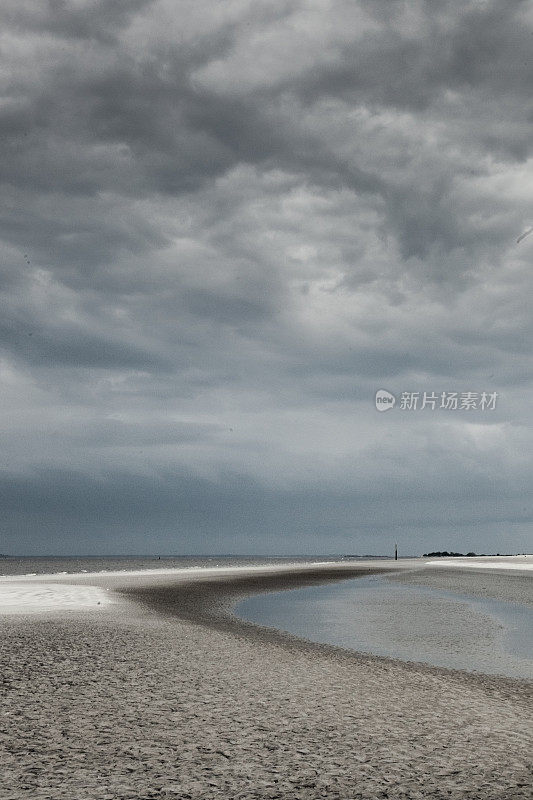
x=224, y=227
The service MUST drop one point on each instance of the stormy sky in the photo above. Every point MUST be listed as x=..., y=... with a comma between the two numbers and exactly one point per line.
x=224, y=226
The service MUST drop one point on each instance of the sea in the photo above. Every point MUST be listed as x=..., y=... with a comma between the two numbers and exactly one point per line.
x=69, y=565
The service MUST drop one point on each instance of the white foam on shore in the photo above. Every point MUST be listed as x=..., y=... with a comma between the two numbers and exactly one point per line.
x=25, y=597
x=177, y=571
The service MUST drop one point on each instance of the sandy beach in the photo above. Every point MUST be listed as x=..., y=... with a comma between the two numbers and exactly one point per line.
x=150, y=688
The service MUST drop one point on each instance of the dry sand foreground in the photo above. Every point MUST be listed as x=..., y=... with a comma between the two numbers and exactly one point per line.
x=140, y=703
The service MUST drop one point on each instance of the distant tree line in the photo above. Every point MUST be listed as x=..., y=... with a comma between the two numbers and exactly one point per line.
x=438, y=553
x=446, y=553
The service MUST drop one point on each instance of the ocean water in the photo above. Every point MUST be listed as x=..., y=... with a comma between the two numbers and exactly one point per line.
x=412, y=623
x=52, y=565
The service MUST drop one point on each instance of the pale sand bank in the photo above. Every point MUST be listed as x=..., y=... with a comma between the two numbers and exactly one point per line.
x=523, y=563
x=21, y=597
x=176, y=699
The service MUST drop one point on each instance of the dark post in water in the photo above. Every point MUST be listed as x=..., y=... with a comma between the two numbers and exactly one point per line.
x=396, y=552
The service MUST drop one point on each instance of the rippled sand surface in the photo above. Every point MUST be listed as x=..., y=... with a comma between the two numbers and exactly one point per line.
x=172, y=697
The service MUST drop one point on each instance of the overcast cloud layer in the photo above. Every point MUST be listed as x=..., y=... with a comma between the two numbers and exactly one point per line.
x=224, y=226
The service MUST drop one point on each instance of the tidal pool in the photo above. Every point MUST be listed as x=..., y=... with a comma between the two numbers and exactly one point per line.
x=412, y=623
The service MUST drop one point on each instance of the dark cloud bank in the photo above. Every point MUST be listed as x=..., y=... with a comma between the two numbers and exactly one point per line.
x=224, y=226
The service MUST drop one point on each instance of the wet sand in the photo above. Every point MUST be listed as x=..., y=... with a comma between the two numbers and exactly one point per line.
x=169, y=696
x=512, y=587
